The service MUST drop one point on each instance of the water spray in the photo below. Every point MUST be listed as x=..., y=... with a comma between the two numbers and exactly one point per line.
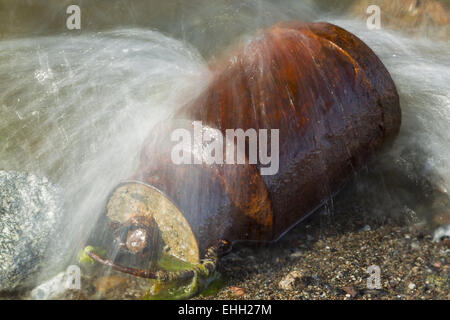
x=335, y=106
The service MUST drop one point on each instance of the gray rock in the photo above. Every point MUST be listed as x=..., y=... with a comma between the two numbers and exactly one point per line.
x=30, y=212
x=441, y=233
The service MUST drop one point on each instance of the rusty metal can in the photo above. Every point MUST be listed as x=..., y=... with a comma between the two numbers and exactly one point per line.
x=334, y=104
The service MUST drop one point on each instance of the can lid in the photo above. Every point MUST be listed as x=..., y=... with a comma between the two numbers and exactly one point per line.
x=134, y=198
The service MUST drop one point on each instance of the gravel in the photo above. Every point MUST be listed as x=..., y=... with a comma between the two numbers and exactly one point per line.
x=30, y=210
x=327, y=256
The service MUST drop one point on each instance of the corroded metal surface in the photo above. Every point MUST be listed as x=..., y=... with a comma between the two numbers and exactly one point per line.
x=334, y=103
x=137, y=199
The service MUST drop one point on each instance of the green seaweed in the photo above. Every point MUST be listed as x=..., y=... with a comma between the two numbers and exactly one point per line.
x=170, y=263
x=178, y=290
x=175, y=290
x=85, y=259
x=201, y=283
x=216, y=283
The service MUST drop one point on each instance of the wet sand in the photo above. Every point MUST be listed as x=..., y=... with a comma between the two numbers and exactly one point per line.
x=327, y=257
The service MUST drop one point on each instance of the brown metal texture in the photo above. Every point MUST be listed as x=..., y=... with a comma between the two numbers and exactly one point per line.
x=334, y=104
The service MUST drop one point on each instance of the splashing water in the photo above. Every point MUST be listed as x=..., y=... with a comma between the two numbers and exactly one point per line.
x=416, y=169
x=77, y=109
x=422, y=74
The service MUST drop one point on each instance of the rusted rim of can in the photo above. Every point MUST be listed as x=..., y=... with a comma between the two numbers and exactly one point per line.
x=184, y=234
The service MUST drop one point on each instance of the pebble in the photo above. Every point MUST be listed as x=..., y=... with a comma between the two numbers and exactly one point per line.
x=351, y=291
x=52, y=289
x=441, y=233
x=238, y=291
x=415, y=245
x=437, y=264
x=296, y=254
x=291, y=281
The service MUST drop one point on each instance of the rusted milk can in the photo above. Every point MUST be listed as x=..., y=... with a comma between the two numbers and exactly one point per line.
x=334, y=105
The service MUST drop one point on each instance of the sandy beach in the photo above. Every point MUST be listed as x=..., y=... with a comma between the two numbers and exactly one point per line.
x=327, y=256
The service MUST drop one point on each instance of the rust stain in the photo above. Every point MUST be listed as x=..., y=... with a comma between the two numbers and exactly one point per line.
x=334, y=103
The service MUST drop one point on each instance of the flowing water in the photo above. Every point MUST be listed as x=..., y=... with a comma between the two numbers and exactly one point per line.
x=75, y=106
x=78, y=109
